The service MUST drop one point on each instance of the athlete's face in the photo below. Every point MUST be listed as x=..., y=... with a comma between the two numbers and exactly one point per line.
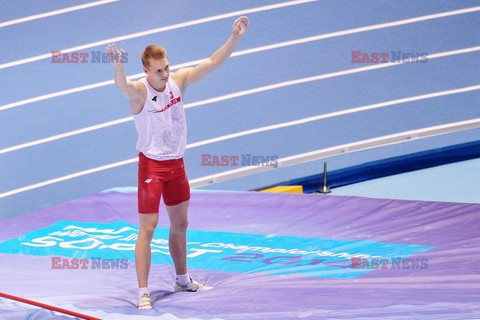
x=158, y=73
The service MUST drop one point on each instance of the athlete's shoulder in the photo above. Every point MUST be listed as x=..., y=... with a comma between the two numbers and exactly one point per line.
x=180, y=77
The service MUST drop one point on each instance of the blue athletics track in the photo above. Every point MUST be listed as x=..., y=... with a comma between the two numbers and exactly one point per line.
x=373, y=88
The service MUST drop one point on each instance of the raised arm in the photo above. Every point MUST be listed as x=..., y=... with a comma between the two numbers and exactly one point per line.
x=133, y=90
x=187, y=76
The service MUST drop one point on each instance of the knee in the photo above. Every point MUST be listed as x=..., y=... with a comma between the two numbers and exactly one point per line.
x=147, y=231
x=179, y=227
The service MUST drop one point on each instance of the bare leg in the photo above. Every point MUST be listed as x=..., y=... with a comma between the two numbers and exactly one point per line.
x=177, y=239
x=143, y=254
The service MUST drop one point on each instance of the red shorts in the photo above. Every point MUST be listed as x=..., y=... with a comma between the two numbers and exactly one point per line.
x=161, y=177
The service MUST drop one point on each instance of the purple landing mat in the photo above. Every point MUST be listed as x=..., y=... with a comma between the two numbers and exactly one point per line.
x=266, y=255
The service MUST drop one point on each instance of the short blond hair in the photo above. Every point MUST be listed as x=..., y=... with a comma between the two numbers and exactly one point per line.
x=153, y=51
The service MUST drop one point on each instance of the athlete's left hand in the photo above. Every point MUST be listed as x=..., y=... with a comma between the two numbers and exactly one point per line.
x=240, y=26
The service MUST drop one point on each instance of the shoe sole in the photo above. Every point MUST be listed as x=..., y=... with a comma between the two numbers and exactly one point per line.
x=144, y=308
x=201, y=289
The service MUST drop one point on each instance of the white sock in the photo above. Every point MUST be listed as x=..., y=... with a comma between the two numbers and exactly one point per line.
x=142, y=291
x=183, y=279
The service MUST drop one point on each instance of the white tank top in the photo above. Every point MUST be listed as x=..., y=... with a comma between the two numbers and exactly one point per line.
x=161, y=125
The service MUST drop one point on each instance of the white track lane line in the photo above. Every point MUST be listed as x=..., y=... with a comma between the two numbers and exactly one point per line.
x=157, y=30
x=267, y=128
x=313, y=155
x=55, y=12
x=263, y=89
x=248, y=51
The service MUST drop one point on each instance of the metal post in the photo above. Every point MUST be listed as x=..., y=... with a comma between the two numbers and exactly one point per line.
x=325, y=188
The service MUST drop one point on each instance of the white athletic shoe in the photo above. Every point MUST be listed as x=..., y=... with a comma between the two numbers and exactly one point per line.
x=144, y=302
x=192, y=286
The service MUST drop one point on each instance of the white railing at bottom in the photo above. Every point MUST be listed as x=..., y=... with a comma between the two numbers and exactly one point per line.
x=337, y=150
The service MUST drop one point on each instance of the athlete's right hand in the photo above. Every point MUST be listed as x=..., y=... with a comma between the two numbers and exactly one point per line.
x=116, y=57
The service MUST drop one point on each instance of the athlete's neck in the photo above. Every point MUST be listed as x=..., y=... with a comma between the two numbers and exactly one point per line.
x=157, y=89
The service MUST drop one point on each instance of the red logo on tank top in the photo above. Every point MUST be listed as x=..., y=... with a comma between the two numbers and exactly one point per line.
x=173, y=101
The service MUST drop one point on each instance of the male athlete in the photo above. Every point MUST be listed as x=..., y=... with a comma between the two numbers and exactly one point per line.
x=156, y=102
